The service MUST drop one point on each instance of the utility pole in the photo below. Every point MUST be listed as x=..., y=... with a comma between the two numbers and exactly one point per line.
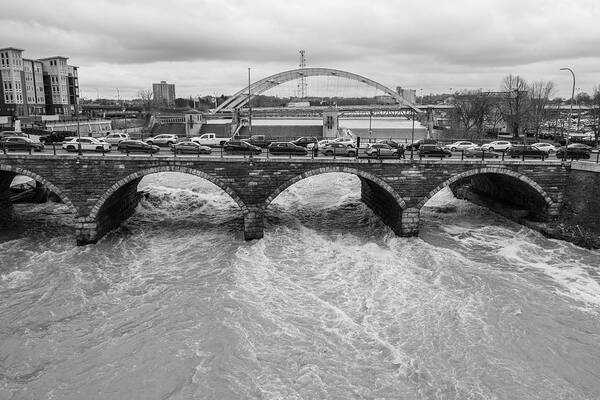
x=302, y=84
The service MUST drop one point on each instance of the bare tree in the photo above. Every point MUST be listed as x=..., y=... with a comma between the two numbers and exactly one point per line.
x=515, y=108
x=146, y=95
x=539, y=99
x=470, y=111
x=583, y=98
x=596, y=113
x=494, y=116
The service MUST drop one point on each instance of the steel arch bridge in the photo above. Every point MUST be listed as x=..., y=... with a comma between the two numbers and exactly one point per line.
x=258, y=87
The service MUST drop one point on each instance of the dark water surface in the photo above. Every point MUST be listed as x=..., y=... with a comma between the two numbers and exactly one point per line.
x=329, y=305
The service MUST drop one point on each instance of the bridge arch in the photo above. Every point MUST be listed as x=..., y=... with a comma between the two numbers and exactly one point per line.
x=20, y=171
x=377, y=194
x=138, y=175
x=240, y=98
x=324, y=170
x=550, y=205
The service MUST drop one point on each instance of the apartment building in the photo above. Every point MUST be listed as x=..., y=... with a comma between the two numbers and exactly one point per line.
x=164, y=93
x=56, y=85
x=12, y=82
x=31, y=88
x=34, y=97
x=73, y=83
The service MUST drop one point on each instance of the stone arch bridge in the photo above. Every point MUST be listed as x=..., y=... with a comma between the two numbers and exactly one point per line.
x=102, y=191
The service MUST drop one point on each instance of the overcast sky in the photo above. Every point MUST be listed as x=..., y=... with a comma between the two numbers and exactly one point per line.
x=206, y=46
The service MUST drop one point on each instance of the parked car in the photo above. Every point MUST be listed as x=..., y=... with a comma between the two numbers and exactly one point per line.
x=460, y=145
x=547, y=147
x=574, y=150
x=320, y=144
x=190, y=148
x=56, y=137
x=433, y=150
x=163, y=140
x=210, y=139
x=86, y=144
x=241, y=147
x=479, y=152
x=137, y=146
x=35, y=132
x=389, y=142
x=12, y=134
x=338, y=149
x=304, y=141
x=287, y=148
x=259, y=141
x=116, y=137
x=348, y=141
x=12, y=143
x=381, y=150
x=521, y=150
x=416, y=145
x=498, y=145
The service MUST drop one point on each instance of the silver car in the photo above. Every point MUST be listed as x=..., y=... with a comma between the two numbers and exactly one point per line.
x=338, y=149
x=163, y=140
x=381, y=150
x=116, y=137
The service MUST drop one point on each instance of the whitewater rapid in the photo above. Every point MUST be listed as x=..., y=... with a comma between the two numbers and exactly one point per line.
x=329, y=305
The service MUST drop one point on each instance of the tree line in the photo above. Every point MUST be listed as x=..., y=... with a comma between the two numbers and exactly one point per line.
x=523, y=107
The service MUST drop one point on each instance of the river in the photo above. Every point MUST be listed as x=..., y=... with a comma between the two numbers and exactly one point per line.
x=329, y=305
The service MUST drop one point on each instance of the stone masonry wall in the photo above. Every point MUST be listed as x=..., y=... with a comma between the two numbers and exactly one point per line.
x=252, y=183
x=6, y=179
x=582, y=198
x=382, y=204
x=510, y=191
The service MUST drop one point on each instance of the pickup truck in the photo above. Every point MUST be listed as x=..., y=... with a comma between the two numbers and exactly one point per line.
x=259, y=140
x=209, y=139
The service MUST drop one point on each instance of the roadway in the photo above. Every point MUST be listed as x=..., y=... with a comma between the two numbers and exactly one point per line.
x=165, y=152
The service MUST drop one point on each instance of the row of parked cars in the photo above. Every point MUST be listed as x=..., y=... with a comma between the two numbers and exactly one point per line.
x=499, y=148
x=343, y=146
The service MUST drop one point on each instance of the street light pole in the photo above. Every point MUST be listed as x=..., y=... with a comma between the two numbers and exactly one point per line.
x=412, y=135
x=78, y=131
x=370, y=131
x=571, y=105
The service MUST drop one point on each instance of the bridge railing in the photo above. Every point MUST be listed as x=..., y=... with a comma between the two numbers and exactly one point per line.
x=361, y=153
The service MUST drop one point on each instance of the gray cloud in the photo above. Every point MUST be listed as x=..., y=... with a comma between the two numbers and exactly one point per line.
x=206, y=46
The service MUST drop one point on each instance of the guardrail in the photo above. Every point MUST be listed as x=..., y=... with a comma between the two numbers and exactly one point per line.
x=356, y=153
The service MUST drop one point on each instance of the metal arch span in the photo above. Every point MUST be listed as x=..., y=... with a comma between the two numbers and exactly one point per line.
x=258, y=87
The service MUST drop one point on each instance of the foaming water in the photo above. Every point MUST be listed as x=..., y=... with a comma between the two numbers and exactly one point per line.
x=329, y=305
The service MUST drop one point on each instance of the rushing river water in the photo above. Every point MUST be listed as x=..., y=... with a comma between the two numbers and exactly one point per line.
x=329, y=305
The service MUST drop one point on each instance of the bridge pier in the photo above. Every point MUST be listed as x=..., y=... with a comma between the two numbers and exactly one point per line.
x=402, y=222
x=254, y=223
x=410, y=222
x=86, y=231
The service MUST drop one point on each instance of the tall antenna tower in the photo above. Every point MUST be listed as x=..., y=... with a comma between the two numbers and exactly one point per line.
x=302, y=85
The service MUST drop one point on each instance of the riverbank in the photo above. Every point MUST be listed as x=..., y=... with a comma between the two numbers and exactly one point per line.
x=561, y=229
x=573, y=233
